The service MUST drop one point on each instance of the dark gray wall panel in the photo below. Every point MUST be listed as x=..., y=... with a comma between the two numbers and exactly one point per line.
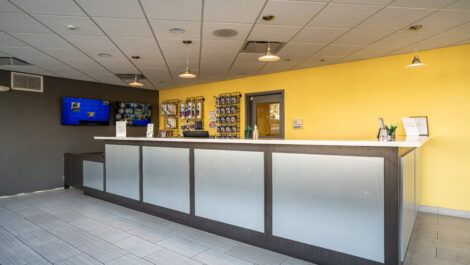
x=32, y=139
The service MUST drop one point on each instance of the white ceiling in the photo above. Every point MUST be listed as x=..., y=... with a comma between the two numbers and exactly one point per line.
x=316, y=33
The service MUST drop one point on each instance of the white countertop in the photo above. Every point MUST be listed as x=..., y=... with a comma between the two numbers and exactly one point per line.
x=416, y=141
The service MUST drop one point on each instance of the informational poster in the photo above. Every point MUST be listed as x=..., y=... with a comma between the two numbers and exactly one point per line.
x=416, y=126
x=212, y=120
x=212, y=115
x=121, y=128
x=150, y=130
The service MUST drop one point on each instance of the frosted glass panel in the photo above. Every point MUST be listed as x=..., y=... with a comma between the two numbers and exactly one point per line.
x=122, y=170
x=229, y=187
x=166, y=177
x=93, y=175
x=407, y=206
x=333, y=202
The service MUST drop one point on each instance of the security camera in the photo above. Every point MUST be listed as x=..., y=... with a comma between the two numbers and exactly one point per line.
x=4, y=88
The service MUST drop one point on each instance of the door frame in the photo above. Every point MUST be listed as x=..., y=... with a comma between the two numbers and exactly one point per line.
x=248, y=109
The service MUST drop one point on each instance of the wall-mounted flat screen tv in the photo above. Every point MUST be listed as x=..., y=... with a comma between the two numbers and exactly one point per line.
x=81, y=111
x=136, y=114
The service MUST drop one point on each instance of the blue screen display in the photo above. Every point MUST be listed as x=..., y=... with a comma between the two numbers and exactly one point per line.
x=80, y=111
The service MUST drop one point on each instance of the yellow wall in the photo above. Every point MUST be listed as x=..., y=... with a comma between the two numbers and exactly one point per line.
x=344, y=101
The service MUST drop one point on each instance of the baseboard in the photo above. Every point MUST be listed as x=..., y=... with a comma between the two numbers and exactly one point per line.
x=444, y=211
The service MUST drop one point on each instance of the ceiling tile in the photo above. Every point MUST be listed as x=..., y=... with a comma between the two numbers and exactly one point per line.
x=294, y=13
x=460, y=5
x=133, y=45
x=210, y=27
x=148, y=59
x=221, y=46
x=156, y=75
x=395, y=18
x=209, y=78
x=215, y=68
x=403, y=38
x=343, y=15
x=362, y=36
x=370, y=52
x=118, y=66
x=20, y=23
x=444, y=19
x=275, y=68
x=175, y=48
x=24, y=53
x=365, y=2
x=422, y=3
x=7, y=7
x=192, y=29
x=50, y=7
x=248, y=58
x=65, y=53
x=218, y=57
x=112, y=8
x=93, y=45
x=317, y=61
x=43, y=40
x=279, y=33
x=337, y=50
x=173, y=9
x=9, y=41
x=299, y=49
x=236, y=11
x=129, y=27
x=464, y=28
x=59, y=24
x=30, y=69
x=442, y=40
x=319, y=35
x=250, y=68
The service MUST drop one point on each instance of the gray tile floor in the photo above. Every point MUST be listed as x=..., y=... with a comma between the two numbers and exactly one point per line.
x=67, y=228
x=40, y=228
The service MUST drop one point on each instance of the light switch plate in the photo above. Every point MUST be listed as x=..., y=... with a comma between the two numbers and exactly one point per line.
x=298, y=124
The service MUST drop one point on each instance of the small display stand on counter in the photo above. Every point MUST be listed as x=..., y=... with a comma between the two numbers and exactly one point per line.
x=191, y=114
x=169, y=116
x=228, y=115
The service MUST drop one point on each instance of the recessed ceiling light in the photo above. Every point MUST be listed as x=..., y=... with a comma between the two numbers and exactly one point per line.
x=177, y=30
x=225, y=33
x=72, y=27
x=104, y=54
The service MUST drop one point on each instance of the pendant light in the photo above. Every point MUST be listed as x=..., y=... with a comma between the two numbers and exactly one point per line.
x=136, y=82
x=187, y=73
x=416, y=61
x=269, y=56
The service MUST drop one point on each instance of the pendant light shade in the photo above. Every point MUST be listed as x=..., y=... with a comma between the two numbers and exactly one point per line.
x=416, y=61
x=136, y=82
x=187, y=73
x=269, y=56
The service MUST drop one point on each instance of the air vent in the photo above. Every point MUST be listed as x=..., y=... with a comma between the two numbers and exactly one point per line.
x=262, y=46
x=26, y=82
x=12, y=61
x=130, y=77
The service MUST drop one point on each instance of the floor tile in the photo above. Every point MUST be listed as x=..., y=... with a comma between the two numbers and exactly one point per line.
x=80, y=259
x=89, y=224
x=40, y=262
x=56, y=250
x=129, y=259
x=182, y=246
x=257, y=255
x=103, y=251
x=153, y=235
x=213, y=257
x=292, y=261
x=79, y=238
x=37, y=238
x=18, y=255
x=168, y=257
x=111, y=234
x=137, y=246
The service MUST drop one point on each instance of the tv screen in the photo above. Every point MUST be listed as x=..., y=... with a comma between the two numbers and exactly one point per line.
x=136, y=114
x=81, y=111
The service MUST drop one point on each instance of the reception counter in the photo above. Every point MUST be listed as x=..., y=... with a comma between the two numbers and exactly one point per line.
x=328, y=202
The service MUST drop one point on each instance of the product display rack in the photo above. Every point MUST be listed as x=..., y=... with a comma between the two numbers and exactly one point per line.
x=228, y=115
x=191, y=114
x=168, y=114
